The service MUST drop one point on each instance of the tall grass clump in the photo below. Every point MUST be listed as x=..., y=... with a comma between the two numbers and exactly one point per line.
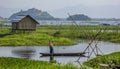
x=32, y=39
x=20, y=63
x=65, y=35
x=106, y=59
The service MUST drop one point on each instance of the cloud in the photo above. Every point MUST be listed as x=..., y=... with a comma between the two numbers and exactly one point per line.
x=90, y=7
x=92, y=11
x=100, y=2
x=54, y=4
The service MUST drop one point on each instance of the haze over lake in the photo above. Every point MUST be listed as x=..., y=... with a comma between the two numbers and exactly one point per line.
x=60, y=8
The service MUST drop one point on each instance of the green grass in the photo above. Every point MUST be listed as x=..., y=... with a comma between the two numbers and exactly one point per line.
x=106, y=59
x=31, y=39
x=64, y=35
x=19, y=63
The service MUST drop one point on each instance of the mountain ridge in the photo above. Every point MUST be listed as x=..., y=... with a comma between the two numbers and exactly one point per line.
x=2, y=19
x=35, y=13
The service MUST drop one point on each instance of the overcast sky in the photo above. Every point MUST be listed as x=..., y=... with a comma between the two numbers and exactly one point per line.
x=52, y=5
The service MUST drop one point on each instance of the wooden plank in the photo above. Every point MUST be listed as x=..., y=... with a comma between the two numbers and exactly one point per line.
x=109, y=65
x=103, y=65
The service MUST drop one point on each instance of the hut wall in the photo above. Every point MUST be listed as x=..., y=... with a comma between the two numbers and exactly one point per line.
x=27, y=24
x=14, y=26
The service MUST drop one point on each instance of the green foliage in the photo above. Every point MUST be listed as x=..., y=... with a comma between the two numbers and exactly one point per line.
x=30, y=39
x=104, y=59
x=60, y=35
x=17, y=63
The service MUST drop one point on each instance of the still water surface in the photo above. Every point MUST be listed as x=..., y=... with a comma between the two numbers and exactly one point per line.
x=105, y=47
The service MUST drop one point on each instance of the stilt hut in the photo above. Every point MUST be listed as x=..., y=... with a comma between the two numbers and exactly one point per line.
x=24, y=23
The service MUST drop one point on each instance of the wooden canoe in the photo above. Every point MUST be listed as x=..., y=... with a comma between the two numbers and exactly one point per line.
x=63, y=54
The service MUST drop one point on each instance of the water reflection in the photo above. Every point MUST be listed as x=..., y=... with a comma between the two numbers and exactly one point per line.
x=24, y=53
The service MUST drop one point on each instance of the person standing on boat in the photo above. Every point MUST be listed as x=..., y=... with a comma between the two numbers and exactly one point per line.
x=51, y=47
x=51, y=51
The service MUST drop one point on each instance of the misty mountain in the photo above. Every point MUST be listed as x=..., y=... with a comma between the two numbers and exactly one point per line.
x=104, y=11
x=81, y=17
x=35, y=13
x=2, y=19
x=7, y=12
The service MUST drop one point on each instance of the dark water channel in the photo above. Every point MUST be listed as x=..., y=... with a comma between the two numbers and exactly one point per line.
x=33, y=52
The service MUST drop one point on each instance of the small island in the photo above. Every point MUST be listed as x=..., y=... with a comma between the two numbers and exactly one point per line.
x=79, y=17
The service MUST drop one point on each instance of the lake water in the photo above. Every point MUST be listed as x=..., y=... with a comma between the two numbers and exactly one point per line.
x=65, y=22
x=105, y=47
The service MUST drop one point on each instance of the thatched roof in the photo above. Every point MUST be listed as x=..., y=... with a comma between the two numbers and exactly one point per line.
x=20, y=17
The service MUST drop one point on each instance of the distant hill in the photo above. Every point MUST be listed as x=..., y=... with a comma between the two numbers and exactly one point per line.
x=35, y=13
x=79, y=17
x=1, y=18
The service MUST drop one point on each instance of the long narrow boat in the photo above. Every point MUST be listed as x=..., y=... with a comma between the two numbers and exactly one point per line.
x=63, y=54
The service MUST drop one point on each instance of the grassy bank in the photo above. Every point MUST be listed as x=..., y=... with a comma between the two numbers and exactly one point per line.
x=106, y=59
x=111, y=33
x=113, y=36
x=64, y=35
x=30, y=39
x=18, y=63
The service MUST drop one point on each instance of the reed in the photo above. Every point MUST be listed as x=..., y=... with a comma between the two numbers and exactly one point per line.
x=64, y=35
x=106, y=59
